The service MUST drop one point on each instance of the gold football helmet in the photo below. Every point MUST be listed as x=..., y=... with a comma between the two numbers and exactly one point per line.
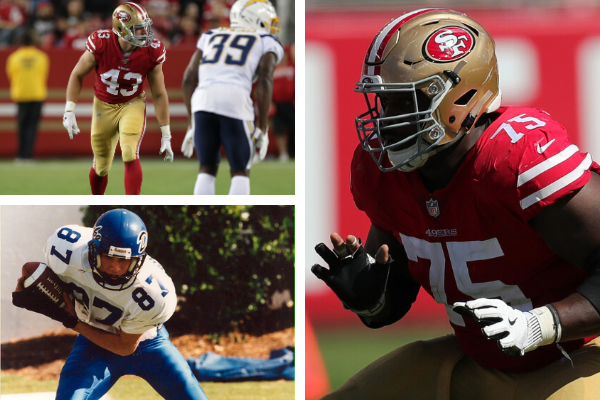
x=444, y=64
x=129, y=17
x=255, y=14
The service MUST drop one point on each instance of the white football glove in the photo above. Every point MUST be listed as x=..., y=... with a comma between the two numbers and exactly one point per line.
x=70, y=124
x=187, y=147
x=165, y=145
x=261, y=142
x=515, y=332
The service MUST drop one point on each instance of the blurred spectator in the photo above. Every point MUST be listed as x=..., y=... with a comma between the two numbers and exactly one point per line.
x=284, y=102
x=45, y=24
x=188, y=35
x=76, y=36
x=13, y=16
x=216, y=14
x=27, y=69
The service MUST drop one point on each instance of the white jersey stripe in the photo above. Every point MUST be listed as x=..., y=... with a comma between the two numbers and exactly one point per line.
x=557, y=185
x=91, y=43
x=546, y=165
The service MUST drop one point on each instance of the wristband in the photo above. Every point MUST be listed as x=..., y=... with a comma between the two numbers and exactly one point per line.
x=70, y=106
x=166, y=130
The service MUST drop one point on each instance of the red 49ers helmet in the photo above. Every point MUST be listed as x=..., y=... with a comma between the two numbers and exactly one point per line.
x=445, y=63
x=127, y=18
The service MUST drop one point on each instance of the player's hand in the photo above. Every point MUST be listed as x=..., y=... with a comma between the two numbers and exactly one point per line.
x=516, y=332
x=69, y=306
x=187, y=147
x=355, y=277
x=32, y=300
x=261, y=142
x=165, y=145
x=70, y=124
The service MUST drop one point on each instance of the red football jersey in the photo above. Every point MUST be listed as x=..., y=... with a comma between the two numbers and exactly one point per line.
x=120, y=78
x=472, y=239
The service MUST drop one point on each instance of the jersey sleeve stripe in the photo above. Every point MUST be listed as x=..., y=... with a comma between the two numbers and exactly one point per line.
x=161, y=58
x=90, y=45
x=558, y=184
x=546, y=165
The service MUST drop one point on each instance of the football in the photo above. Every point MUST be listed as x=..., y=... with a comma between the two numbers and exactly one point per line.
x=45, y=281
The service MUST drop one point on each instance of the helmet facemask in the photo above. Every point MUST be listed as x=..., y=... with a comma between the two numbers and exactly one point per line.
x=139, y=41
x=109, y=281
x=421, y=133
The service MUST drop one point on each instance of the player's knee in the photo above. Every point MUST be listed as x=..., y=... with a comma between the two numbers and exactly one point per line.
x=102, y=170
x=128, y=153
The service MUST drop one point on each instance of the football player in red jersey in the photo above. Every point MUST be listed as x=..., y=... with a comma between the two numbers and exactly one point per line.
x=122, y=57
x=492, y=210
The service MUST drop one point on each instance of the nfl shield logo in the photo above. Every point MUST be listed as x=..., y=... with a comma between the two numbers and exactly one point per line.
x=433, y=208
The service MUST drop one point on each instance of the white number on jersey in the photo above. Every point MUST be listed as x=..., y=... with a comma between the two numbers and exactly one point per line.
x=236, y=51
x=460, y=253
x=110, y=79
x=512, y=133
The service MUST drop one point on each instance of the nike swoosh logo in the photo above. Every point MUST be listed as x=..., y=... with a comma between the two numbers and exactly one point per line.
x=512, y=322
x=542, y=149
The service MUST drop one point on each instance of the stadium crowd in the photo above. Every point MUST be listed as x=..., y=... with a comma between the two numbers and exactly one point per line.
x=67, y=23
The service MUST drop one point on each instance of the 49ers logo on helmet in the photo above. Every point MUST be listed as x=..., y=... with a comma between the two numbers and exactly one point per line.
x=123, y=16
x=448, y=44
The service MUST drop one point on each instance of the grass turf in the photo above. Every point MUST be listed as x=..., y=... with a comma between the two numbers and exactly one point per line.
x=134, y=388
x=70, y=177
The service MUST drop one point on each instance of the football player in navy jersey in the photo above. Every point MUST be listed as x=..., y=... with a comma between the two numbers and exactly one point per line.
x=122, y=57
x=490, y=209
x=216, y=90
x=121, y=299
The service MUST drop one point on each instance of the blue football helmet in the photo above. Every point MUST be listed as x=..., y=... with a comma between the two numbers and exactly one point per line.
x=118, y=233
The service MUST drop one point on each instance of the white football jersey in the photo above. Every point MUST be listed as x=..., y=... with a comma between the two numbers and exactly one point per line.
x=141, y=308
x=230, y=58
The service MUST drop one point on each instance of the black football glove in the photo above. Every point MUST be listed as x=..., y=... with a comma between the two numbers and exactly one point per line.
x=357, y=280
x=32, y=300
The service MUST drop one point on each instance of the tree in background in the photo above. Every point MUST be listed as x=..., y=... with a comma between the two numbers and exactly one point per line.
x=233, y=266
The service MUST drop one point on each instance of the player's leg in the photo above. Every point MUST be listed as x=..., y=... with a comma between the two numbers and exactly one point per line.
x=236, y=136
x=208, y=145
x=419, y=370
x=22, y=123
x=165, y=369
x=561, y=380
x=88, y=372
x=104, y=138
x=132, y=126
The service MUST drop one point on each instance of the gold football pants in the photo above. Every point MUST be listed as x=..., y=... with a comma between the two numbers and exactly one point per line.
x=437, y=370
x=112, y=123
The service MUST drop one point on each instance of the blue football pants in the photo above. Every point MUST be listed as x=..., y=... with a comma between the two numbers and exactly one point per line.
x=213, y=130
x=90, y=371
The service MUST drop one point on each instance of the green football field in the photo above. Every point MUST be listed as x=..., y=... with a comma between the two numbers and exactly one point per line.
x=346, y=351
x=64, y=176
x=134, y=388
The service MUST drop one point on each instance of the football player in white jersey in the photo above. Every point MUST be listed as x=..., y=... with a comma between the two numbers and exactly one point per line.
x=122, y=297
x=216, y=88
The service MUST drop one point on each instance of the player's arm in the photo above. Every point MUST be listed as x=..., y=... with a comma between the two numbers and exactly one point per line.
x=84, y=66
x=190, y=81
x=120, y=343
x=571, y=229
x=156, y=81
x=377, y=286
x=264, y=88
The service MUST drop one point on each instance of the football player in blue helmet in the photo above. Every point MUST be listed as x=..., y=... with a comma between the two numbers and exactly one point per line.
x=118, y=233
x=121, y=298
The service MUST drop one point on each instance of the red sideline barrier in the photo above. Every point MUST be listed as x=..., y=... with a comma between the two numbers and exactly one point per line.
x=317, y=383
